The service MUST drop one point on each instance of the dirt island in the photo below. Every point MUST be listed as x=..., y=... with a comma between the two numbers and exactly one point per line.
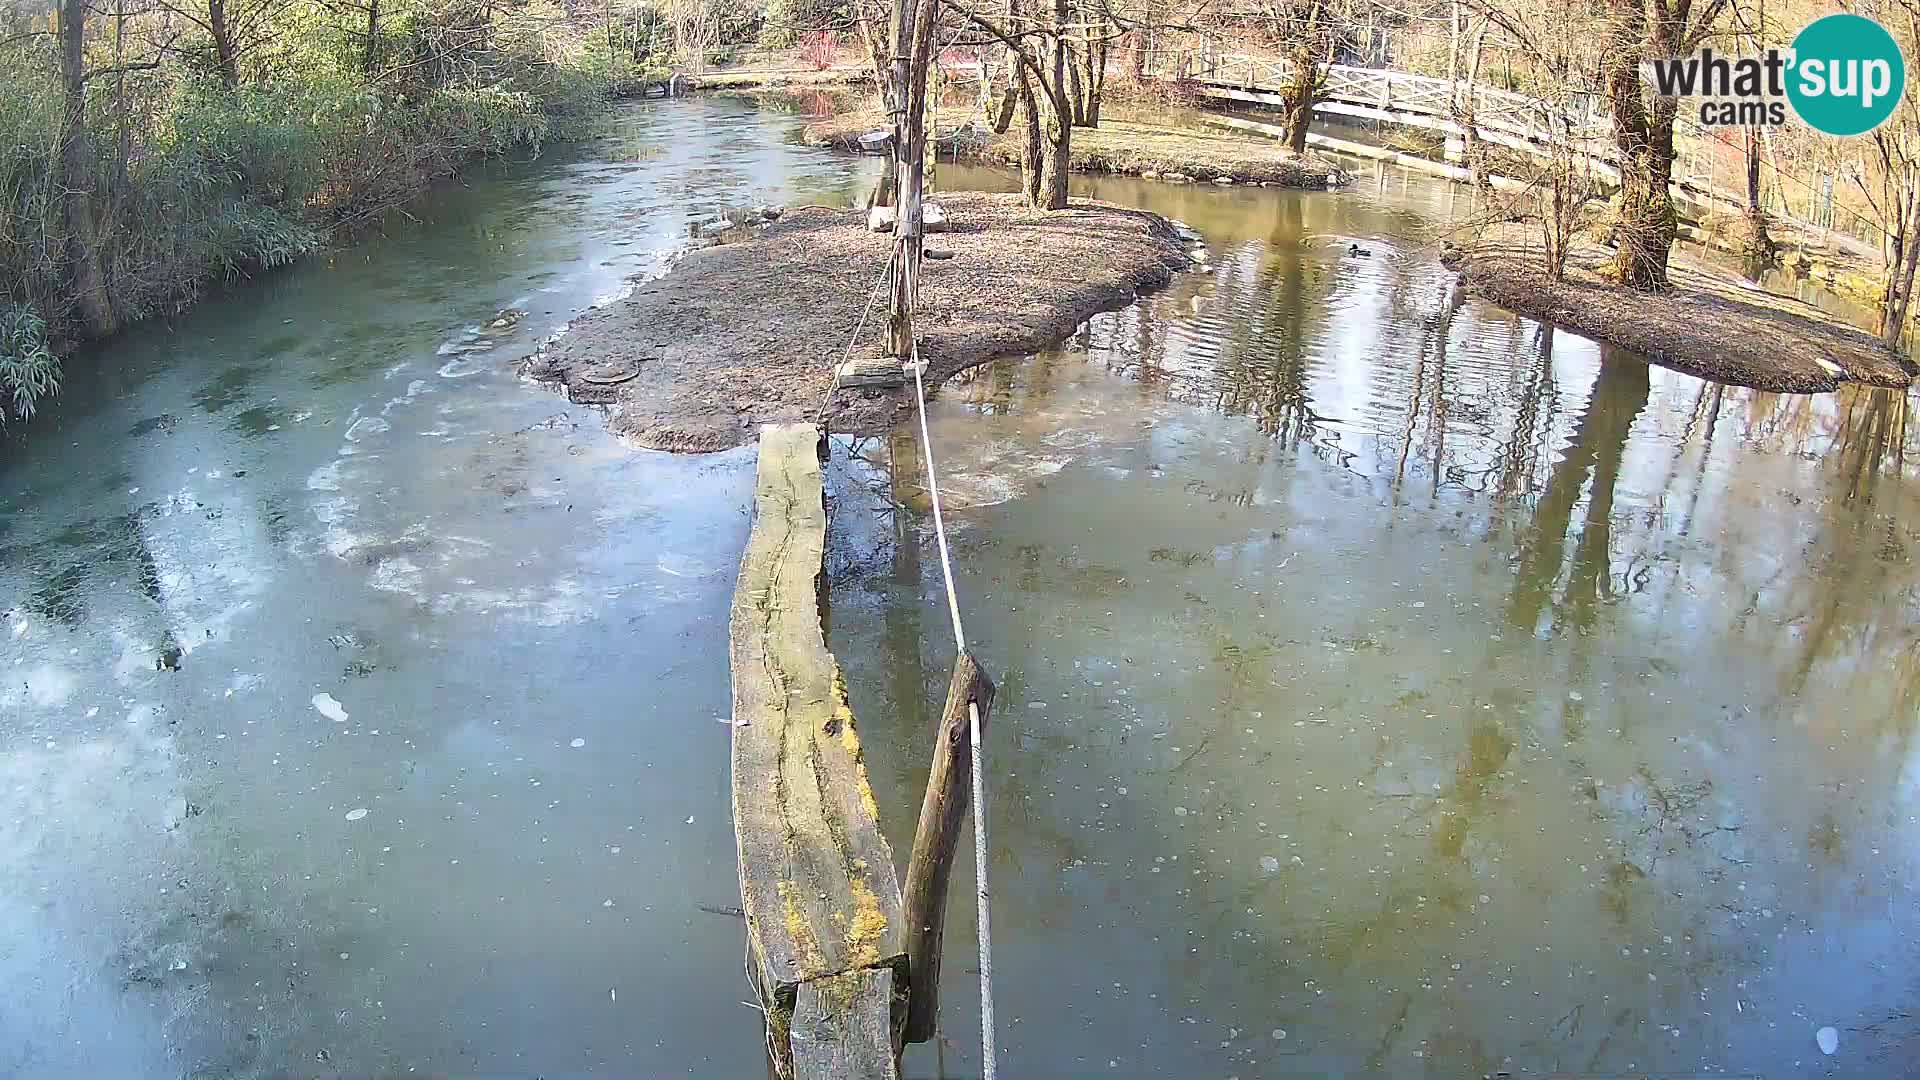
x=750, y=331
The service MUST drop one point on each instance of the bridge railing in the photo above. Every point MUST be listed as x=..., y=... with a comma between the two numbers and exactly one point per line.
x=1512, y=119
x=1493, y=110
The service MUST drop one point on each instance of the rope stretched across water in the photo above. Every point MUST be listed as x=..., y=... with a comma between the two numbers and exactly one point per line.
x=973, y=734
x=897, y=264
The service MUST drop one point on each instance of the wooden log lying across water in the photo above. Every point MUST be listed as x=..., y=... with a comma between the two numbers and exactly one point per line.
x=816, y=876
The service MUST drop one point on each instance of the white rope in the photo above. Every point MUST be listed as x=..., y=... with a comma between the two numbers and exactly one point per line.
x=909, y=267
x=885, y=273
x=987, y=1051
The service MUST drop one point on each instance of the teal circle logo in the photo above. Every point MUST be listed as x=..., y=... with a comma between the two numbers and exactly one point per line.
x=1847, y=75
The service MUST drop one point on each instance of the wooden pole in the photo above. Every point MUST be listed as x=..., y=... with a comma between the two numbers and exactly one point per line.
x=936, y=841
x=912, y=42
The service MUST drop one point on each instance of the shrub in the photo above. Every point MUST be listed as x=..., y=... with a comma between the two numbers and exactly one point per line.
x=821, y=50
x=194, y=181
x=28, y=369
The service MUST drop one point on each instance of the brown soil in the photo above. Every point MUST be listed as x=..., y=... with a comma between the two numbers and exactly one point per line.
x=1115, y=147
x=1709, y=324
x=750, y=332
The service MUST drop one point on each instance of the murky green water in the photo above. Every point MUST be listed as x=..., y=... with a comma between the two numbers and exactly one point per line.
x=1386, y=683
x=331, y=483
x=1391, y=685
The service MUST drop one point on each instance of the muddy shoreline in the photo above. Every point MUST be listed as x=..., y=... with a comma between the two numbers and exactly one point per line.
x=1115, y=147
x=1709, y=324
x=749, y=332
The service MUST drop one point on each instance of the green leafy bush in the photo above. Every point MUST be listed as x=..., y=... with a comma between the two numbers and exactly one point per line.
x=29, y=371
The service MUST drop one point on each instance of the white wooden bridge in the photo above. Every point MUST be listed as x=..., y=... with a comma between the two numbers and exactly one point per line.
x=1501, y=117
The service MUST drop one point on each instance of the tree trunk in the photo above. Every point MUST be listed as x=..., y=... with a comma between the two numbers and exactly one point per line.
x=1009, y=100
x=1300, y=97
x=1453, y=49
x=912, y=51
x=876, y=43
x=370, y=59
x=1076, y=87
x=77, y=176
x=1645, y=224
x=1031, y=152
x=1556, y=217
x=886, y=190
x=1465, y=105
x=1900, y=275
x=1053, y=165
x=223, y=49
x=1756, y=244
x=1096, y=75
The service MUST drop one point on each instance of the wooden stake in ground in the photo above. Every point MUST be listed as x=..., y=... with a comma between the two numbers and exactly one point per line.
x=913, y=30
x=935, y=841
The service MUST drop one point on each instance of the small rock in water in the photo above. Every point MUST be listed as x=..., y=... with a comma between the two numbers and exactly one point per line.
x=1829, y=1040
x=330, y=708
x=356, y=813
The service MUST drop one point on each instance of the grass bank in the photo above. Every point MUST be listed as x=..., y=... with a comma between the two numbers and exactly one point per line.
x=195, y=172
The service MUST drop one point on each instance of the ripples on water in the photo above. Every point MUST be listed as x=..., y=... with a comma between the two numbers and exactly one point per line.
x=359, y=704
x=1390, y=683
x=1387, y=683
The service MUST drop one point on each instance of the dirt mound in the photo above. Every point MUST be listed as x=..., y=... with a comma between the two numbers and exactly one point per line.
x=749, y=332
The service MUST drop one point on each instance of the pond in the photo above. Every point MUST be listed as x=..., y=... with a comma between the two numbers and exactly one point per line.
x=1386, y=681
x=1392, y=684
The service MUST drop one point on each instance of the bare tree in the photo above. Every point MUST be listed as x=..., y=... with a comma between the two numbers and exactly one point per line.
x=1890, y=181
x=1308, y=25
x=1636, y=30
x=237, y=28
x=1558, y=182
x=81, y=219
x=1037, y=44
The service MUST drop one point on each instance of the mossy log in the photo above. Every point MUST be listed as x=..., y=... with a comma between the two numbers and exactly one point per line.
x=817, y=880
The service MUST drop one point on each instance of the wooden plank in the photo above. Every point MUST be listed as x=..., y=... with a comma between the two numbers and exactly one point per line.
x=843, y=1027
x=817, y=881
x=942, y=813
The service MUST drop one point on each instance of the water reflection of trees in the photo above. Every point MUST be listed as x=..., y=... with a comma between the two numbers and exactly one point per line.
x=1619, y=395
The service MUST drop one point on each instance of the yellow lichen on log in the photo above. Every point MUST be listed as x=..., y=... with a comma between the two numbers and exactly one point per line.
x=817, y=878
